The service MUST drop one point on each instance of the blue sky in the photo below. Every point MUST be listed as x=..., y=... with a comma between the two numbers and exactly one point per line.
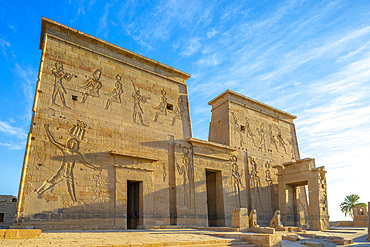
x=308, y=58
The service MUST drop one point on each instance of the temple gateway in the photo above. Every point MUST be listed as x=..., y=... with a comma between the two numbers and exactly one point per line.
x=110, y=147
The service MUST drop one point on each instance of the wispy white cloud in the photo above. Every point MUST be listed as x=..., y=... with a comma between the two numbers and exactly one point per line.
x=27, y=76
x=192, y=47
x=102, y=25
x=4, y=45
x=212, y=33
x=7, y=129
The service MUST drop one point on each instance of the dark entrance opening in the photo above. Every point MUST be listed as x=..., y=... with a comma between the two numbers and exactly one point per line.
x=134, y=204
x=215, y=202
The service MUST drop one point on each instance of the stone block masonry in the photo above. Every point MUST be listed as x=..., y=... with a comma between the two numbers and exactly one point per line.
x=110, y=145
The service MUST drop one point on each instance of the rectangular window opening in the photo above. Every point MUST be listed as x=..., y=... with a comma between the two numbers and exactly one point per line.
x=169, y=107
x=242, y=127
x=74, y=97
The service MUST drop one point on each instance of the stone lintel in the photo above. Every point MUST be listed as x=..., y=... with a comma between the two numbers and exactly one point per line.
x=306, y=164
x=79, y=38
x=210, y=144
x=211, y=150
x=247, y=102
x=136, y=156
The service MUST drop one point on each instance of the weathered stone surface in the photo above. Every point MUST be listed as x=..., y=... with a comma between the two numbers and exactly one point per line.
x=19, y=233
x=240, y=218
x=293, y=238
x=8, y=209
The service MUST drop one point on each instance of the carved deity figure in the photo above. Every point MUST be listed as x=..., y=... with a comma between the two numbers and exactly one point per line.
x=281, y=140
x=92, y=86
x=98, y=190
x=272, y=137
x=255, y=179
x=249, y=132
x=59, y=89
x=268, y=173
x=237, y=178
x=186, y=171
x=70, y=156
x=162, y=107
x=237, y=128
x=261, y=133
x=115, y=94
x=138, y=111
x=291, y=142
x=179, y=110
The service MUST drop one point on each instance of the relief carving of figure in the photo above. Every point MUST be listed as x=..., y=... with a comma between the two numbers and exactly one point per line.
x=272, y=137
x=162, y=107
x=291, y=142
x=98, y=190
x=237, y=128
x=179, y=110
x=261, y=133
x=92, y=86
x=186, y=170
x=59, y=89
x=138, y=111
x=268, y=173
x=115, y=94
x=270, y=184
x=255, y=180
x=70, y=156
x=281, y=140
x=249, y=132
x=237, y=178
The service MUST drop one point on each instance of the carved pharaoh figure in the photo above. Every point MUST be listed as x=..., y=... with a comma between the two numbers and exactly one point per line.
x=59, y=89
x=71, y=154
x=248, y=130
x=261, y=132
x=92, y=86
x=237, y=128
x=281, y=140
x=272, y=137
x=291, y=142
x=138, y=111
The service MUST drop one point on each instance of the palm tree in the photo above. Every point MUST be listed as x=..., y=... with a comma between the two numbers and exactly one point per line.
x=350, y=202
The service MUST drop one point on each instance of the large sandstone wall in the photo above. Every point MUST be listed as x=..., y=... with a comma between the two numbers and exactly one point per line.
x=101, y=116
x=267, y=138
